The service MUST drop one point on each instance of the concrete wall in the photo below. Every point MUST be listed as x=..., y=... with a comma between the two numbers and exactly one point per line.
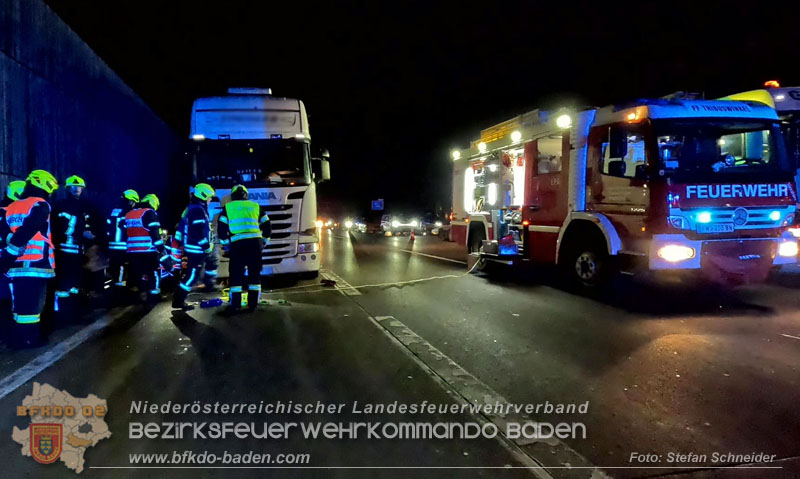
x=64, y=110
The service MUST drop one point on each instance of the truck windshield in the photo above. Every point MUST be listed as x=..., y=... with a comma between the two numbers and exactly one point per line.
x=224, y=163
x=714, y=150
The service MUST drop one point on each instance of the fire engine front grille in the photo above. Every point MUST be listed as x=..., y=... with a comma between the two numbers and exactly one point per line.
x=739, y=218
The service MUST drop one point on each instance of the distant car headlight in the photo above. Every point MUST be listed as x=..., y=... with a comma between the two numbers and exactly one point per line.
x=318, y=224
x=395, y=224
x=328, y=223
x=348, y=224
x=307, y=247
x=438, y=224
x=787, y=248
x=677, y=252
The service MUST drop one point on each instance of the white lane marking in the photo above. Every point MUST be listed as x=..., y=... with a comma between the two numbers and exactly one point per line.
x=407, y=338
x=433, y=256
x=790, y=336
x=27, y=372
x=343, y=286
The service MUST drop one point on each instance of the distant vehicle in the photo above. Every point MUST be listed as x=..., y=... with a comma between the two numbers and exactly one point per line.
x=399, y=223
x=253, y=138
x=430, y=225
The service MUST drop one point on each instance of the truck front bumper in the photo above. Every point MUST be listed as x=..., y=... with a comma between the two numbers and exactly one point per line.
x=723, y=260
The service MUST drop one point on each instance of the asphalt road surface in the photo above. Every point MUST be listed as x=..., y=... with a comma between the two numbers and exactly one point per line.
x=661, y=370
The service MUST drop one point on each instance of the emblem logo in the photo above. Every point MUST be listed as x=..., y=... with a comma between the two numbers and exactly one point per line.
x=46, y=442
x=739, y=216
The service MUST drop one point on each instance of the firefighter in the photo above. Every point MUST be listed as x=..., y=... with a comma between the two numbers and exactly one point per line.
x=242, y=229
x=117, y=243
x=69, y=235
x=13, y=191
x=194, y=235
x=28, y=258
x=145, y=247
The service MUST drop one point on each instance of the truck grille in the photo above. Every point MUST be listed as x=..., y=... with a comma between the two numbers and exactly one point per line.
x=281, y=217
x=742, y=218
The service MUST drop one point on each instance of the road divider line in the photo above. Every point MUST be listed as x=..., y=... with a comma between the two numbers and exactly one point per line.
x=441, y=258
x=27, y=372
x=466, y=388
x=790, y=336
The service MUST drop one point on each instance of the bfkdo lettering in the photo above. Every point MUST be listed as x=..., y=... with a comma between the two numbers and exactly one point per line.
x=60, y=411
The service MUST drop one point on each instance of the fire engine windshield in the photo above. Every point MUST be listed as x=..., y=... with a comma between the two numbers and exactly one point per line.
x=711, y=150
x=224, y=163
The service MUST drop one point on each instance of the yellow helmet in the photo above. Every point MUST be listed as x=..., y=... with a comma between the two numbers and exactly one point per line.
x=44, y=180
x=239, y=187
x=75, y=180
x=15, y=189
x=204, y=191
x=131, y=195
x=152, y=200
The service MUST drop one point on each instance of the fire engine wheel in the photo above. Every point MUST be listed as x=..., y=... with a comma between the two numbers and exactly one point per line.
x=589, y=266
x=476, y=264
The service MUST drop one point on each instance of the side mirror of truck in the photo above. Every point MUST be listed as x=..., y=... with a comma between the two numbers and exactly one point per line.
x=617, y=142
x=616, y=168
x=321, y=167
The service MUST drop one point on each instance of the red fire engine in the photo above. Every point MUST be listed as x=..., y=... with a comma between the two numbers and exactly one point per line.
x=655, y=185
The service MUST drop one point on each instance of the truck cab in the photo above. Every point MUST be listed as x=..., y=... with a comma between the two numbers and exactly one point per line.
x=253, y=138
x=655, y=185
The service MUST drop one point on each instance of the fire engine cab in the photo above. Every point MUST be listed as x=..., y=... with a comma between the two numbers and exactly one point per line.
x=655, y=185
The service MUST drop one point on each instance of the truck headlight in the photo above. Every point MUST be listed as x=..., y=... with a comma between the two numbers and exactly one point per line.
x=438, y=224
x=414, y=223
x=348, y=224
x=318, y=224
x=787, y=249
x=395, y=224
x=307, y=247
x=677, y=252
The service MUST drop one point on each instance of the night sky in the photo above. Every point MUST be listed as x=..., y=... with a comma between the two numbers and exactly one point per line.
x=391, y=87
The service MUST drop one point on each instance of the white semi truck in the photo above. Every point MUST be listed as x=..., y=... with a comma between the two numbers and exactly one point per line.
x=262, y=141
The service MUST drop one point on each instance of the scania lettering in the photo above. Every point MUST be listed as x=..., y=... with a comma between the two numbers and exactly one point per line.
x=663, y=185
x=253, y=138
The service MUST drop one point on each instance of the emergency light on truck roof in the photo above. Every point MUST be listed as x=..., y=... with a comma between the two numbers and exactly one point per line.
x=250, y=91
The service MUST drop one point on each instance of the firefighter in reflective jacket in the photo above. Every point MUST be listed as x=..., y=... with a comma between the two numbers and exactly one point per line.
x=69, y=227
x=28, y=258
x=242, y=229
x=13, y=191
x=117, y=243
x=194, y=235
x=144, y=246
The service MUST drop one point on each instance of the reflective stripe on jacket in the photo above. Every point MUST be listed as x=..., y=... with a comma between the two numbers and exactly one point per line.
x=243, y=220
x=36, y=257
x=116, y=230
x=139, y=239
